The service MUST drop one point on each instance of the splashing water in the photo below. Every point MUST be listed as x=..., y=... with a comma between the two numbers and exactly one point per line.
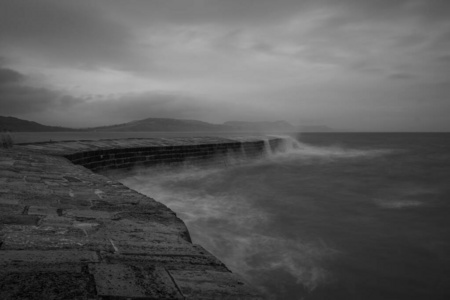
x=307, y=221
x=220, y=208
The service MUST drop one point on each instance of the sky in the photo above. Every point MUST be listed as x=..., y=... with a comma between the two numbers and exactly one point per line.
x=359, y=65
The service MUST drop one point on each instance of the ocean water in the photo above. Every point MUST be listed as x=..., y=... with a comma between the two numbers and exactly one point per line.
x=331, y=216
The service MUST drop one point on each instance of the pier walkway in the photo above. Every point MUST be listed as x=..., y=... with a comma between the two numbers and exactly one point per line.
x=67, y=232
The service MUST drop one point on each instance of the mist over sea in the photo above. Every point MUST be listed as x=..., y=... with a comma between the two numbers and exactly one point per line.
x=331, y=216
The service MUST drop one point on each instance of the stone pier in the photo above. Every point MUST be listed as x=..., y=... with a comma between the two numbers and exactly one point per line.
x=67, y=232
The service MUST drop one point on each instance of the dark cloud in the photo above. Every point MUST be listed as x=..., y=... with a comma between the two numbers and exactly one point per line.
x=121, y=108
x=90, y=34
x=149, y=104
x=16, y=97
x=269, y=12
x=321, y=55
x=66, y=33
x=9, y=76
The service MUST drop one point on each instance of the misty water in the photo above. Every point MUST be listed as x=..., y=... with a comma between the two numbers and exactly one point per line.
x=329, y=216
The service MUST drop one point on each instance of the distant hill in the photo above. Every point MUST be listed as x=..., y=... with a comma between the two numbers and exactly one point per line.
x=317, y=128
x=277, y=126
x=15, y=124
x=154, y=124
x=163, y=124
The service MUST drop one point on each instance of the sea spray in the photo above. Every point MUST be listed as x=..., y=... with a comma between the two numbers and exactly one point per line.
x=302, y=224
x=291, y=147
x=222, y=209
x=267, y=147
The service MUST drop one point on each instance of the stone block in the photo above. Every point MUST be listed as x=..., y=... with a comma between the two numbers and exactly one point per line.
x=118, y=280
x=88, y=214
x=55, y=220
x=47, y=257
x=212, y=285
x=42, y=210
x=19, y=219
x=11, y=207
x=160, y=249
x=23, y=237
x=174, y=262
x=45, y=284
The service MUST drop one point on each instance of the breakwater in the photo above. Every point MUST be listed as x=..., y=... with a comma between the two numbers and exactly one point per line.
x=88, y=237
x=117, y=154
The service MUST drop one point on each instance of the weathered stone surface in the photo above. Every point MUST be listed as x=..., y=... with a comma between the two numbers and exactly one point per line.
x=41, y=210
x=19, y=219
x=68, y=233
x=47, y=257
x=46, y=284
x=212, y=285
x=118, y=280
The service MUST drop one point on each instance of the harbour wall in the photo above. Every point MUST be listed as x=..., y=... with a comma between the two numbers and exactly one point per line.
x=106, y=158
x=68, y=232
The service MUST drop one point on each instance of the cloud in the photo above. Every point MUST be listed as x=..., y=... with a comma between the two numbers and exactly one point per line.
x=134, y=106
x=17, y=97
x=8, y=76
x=79, y=34
x=403, y=76
x=220, y=60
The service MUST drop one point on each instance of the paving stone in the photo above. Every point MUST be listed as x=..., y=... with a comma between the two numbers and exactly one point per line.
x=56, y=221
x=10, y=208
x=31, y=267
x=20, y=237
x=8, y=199
x=47, y=257
x=117, y=280
x=46, y=285
x=149, y=248
x=68, y=202
x=212, y=285
x=10, y=174
x=52, y=182
x=33, y=179
x=19, y=219
x=87, y=228
x=89, y=214
x=41, y=210
x=176, y=262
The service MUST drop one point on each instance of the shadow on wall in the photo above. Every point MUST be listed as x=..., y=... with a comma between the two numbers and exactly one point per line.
x=6, y=141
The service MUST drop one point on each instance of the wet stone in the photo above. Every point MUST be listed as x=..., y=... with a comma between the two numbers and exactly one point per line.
x=19, y=237
x=33, y=179
x=184, y=262
x=55, y=220
x=19, y=219
x=118, y=280
x=47, y=257
x=88, y=214
x=212, y=285
x=41, y=210
x=46, y=285
x=68, y=233
x=72, y=179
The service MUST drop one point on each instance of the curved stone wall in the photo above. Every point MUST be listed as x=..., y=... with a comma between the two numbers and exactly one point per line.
x=117, y=158
x=67, y=232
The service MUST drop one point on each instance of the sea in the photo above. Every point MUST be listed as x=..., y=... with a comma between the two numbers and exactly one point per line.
x=327, y=216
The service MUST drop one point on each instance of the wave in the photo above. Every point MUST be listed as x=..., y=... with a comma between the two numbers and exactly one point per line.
x=292, y=148
x=224, y=215
x=407, y=196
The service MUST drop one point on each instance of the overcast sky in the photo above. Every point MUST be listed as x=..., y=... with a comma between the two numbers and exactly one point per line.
x=350, y=64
